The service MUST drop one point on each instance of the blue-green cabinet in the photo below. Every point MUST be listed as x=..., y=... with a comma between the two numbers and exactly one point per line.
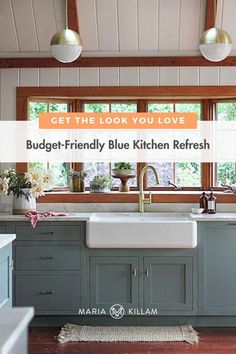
x=169, y=284
x=217, y=268
x=113, y=280
x=48, y=267
x=162, y=280
x=6, y=276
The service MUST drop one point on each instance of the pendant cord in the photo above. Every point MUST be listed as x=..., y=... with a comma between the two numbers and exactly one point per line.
x=66, y=15
x=215, y=12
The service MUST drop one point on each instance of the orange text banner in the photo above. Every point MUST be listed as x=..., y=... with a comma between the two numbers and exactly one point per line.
x=82, y=120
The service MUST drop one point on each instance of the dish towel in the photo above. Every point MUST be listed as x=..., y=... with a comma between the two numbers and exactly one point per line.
x=34, y=216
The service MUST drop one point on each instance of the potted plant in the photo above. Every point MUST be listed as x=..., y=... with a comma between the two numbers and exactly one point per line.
x=25, y=187
x=77, y=181
x=122, y=169
x=100, y=184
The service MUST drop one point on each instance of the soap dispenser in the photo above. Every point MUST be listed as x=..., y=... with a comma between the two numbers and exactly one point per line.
x=204, y=202
x=211, y=205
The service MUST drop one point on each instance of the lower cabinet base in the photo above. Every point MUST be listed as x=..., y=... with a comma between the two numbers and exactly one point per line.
x=196, y=321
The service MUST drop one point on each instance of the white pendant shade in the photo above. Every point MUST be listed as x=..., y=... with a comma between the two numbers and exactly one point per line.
x=66, y=46
x=215, y=44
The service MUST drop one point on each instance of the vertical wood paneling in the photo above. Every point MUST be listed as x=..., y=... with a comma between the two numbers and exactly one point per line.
x=109, y=76
x=189, y=24
x=149, y=76
x=129, y=76
x=88, y=24
x=148, y=24
x=68, y=76
x=227, y=76
x=29, y=77
x=8, y=39
x=228, y=19
x=89, y=76
x=169, y=76
x=48, y=76
x=189, y=76
x=45, y=22
x=9, y=81
x=209, y=76
x=169, y=12
x=25, y=26
x=128, y=27
x=107, y=24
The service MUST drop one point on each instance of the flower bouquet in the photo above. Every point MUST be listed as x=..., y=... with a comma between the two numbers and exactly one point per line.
x=25, y=187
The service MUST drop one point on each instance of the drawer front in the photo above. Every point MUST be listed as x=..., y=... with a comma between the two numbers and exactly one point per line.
x=47, y=257
x=57, y=293
x=48, y=232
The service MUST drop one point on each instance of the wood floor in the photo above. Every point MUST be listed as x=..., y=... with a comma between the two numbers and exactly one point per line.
x=212, y=341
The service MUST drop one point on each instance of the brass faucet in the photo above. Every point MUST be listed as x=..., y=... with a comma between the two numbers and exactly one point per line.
x=142, y=199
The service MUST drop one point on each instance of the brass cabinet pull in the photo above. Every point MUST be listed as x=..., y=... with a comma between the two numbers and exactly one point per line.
x=134, y=272
x=47, y=292
x=46, y=258
x=147, y=273
x=47, y=233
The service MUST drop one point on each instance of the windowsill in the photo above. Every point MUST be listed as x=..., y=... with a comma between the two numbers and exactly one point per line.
x=132, y=197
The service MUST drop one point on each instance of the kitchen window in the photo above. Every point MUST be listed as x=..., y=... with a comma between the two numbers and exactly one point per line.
x=192, y=176
x=60, y=170
x=225, y=173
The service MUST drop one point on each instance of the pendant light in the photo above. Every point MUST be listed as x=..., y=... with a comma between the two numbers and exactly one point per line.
x=215, y=44
x=66, y=45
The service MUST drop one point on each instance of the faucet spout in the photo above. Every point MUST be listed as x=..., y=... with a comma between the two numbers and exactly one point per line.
x=142, y=199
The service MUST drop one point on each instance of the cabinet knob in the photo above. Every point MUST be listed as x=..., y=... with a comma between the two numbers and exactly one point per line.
x=47, y=292
x=46, y=257
x=147, y=272
x=134, y=272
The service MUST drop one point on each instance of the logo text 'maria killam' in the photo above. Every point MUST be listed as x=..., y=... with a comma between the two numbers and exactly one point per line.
x=117, y=311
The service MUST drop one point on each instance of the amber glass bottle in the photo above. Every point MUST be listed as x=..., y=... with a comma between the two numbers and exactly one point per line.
x=211, y=204
x=203, y=202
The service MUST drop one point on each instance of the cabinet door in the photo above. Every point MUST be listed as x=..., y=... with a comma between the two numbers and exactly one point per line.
x=113, y=280
x=6, y=276
x=168, y=284
x=217, y=268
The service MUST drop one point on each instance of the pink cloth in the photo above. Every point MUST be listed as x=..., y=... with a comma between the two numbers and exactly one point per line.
x=34, y=216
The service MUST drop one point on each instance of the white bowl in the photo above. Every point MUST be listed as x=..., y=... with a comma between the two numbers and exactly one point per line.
x=197, y=210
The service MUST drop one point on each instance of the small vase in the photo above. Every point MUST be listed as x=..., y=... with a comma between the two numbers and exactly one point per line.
x=21, y=205
x=77, y=184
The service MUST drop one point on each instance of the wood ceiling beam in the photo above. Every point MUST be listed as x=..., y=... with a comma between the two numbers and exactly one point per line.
x=211, y=6
x=113, y=62
x=73, y=21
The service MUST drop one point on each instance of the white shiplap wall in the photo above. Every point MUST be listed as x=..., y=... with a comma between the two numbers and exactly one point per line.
x=145, y=76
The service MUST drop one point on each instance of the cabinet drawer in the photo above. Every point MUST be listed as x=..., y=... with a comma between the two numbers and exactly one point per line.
x=48, y=293
x=47, y=257
x=48, y=232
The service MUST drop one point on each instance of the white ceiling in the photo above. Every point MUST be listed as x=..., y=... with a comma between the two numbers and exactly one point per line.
x=111, y=27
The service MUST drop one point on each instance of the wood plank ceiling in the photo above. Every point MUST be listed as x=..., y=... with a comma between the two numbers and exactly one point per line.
x=112, y=28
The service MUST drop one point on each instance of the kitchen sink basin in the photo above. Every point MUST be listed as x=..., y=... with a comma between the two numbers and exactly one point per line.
x=136, y=230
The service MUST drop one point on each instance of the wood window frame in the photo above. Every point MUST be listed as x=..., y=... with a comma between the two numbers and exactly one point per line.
x=142, y=94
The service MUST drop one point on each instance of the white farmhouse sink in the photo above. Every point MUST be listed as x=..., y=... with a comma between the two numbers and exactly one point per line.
x=148, y=230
